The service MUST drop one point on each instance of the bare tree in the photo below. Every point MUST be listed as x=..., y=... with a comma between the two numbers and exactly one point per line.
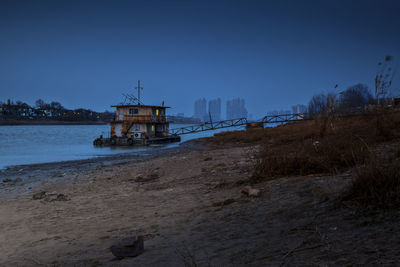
x=317, y=104
x=355, y=96
x=330, y=103
x=383, y=79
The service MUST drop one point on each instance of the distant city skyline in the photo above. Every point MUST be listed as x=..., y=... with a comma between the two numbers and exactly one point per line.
x=234, y=108
x=214, y=109
x=200, y=109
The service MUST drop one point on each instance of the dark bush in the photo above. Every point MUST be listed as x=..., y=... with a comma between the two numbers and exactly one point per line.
x=330, y=154
x=375, y=185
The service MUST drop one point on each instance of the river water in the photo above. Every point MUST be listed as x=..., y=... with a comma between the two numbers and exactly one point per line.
x=30, y=144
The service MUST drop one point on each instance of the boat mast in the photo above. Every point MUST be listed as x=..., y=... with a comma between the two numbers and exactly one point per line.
x=139, y=88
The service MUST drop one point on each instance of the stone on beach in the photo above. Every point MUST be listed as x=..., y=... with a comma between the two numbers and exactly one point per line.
x=251, y=192
x=128, y=247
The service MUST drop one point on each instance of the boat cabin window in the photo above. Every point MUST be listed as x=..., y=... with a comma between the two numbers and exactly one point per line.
x=120, y=112
x=133, y=111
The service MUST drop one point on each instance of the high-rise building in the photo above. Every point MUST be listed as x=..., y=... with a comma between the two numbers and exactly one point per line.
x=214, y=108
x=235, y=109
x=200, y=109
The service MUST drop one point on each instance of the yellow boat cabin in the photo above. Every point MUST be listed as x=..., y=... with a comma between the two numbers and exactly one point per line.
x=140, y=121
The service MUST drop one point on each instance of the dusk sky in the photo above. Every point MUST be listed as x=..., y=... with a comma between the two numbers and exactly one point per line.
x=274, y=54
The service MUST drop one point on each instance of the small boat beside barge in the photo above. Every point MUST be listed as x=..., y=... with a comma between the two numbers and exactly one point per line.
x=136, y=124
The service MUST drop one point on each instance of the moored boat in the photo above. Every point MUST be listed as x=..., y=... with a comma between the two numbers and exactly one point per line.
x=138, y=124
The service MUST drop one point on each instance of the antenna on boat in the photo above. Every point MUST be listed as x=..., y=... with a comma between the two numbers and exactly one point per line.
x=139, y=88
x=132, y=99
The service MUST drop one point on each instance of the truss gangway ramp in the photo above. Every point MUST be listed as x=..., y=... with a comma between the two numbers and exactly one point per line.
x=210, y=126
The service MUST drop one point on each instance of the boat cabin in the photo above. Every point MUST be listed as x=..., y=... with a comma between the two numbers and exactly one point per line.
x=140, y=122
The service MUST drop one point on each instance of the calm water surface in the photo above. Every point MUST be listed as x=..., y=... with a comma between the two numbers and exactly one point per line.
x=31, y=144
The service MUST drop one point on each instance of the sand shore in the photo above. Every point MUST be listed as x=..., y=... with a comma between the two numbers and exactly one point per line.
x=187, y=203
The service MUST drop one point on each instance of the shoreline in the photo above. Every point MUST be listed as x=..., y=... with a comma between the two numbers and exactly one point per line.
x=17, y=123
x=127, y=156
x=29, y=175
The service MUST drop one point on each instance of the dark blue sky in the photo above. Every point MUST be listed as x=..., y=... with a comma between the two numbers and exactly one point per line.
x=274, y=54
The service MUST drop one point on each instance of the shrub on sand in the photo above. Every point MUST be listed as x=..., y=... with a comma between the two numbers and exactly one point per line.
x=328, y=155
x=375, y=185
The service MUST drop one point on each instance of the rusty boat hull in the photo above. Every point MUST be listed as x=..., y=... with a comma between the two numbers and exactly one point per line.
x=126, y=141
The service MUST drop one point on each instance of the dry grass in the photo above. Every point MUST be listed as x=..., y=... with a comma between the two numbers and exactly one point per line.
x=377, y=126
x=376, y=185
x=329, y=155
x=325, y=145
x=331, y=145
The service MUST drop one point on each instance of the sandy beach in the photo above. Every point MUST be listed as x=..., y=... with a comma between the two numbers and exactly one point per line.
x=188, y=205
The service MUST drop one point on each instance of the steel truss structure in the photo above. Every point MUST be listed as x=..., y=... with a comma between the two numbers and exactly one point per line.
x=209, y=126
x=282, y=118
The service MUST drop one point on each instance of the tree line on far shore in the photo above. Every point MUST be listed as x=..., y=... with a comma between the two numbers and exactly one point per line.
x=49, y=111
x=356, y=97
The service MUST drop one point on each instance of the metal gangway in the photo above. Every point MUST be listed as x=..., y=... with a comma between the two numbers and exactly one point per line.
x=209, y=126
x=284, y=118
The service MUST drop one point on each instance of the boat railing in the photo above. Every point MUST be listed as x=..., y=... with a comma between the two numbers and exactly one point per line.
x=142, y=118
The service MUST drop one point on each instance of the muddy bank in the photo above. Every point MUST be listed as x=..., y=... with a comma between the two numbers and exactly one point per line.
x=22, y=179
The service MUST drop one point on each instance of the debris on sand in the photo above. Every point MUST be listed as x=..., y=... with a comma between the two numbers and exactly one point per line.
x=251, y=192
x=59, y=197
x=50, y=197
x=39, y=195
x=128, y=247
x=12, y=181
x=224, y=203
x=146, y=177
